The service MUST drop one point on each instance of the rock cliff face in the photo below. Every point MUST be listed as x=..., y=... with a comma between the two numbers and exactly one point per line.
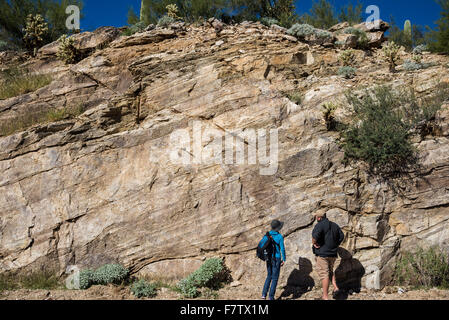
x=102, y=187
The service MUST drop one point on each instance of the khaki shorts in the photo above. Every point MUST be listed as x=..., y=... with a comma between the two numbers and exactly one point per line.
x=325, y=267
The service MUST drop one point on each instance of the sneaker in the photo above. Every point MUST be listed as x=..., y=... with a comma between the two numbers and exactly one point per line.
x=264, y=298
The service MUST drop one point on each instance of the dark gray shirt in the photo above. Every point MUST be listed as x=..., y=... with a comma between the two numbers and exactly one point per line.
x=328, y=236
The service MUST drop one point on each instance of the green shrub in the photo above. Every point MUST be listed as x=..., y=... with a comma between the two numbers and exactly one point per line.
x=304, y=30
x=142, y=288
x=86, y=279
x=67, y=52
x=110, y=274
x=107, y=274
x=165, y=21
x=420, y=49
x=423, y=268
x=269, y=21
x=296, y=97
x=362, y=38
x=17, y=82
x=188, y=288
x=384, y=121
x=381, y=129
x=347, y=72
x=135, y=28
x=211, y=274
x=5, y=46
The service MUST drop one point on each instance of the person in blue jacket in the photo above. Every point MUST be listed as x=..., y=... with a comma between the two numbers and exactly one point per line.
x=276, y=262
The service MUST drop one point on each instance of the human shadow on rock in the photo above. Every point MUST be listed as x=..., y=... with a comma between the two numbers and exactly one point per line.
x=299, y=280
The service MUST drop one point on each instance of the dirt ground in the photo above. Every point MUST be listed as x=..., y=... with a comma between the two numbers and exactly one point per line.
x=241, y=292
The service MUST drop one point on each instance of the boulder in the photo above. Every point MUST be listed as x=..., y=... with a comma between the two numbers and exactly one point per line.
x=86, y=41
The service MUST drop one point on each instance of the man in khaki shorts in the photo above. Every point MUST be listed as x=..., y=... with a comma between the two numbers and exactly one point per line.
x=326, y=238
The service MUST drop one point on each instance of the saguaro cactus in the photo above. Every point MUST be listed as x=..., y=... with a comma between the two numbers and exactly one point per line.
x=408, y=31
x=143, y=11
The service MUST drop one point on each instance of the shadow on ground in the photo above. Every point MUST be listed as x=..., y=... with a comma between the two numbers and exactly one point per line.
x=348, y=274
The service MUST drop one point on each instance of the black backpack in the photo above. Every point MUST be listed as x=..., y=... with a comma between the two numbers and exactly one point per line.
x=265, y=251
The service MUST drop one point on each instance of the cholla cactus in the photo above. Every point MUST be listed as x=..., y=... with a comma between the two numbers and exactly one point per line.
x=347, y=57
x=391, y=55
x=172, y=11
x=329, y=109
x=67, y=51
x=35, y=29
x=417, y=58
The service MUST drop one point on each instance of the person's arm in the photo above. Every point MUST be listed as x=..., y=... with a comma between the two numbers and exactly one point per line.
x=341, y=236
x=281, y=244
x=316, y=234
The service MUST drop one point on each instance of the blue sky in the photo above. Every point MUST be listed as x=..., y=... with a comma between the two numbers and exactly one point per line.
x=113, y=12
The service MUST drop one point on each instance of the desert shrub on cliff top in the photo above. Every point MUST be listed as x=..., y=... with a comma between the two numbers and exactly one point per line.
x=423, y=268
x=303, y=30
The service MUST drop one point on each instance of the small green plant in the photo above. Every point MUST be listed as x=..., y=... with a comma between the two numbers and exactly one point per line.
x=20, y=81
x=135, y=28
x=296, y=96
x=347, y=57
x=107, y=274
x=304, y=30
x=391, y=55
x=5, y=46
x=269, y=21
x=142, y=288
x=86, y=279
x=347, y=72
x=362, y=38
x=423, y=268
x=35, y=30
x=67, y=51
x=110, y=274
x=420, y=49
x=165, y=21
x=211, y=274
x=329, y=110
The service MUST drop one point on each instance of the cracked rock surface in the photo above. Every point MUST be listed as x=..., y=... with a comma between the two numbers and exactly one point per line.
x=101, y=187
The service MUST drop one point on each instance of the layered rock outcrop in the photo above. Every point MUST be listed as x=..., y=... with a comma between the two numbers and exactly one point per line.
x=102, y=187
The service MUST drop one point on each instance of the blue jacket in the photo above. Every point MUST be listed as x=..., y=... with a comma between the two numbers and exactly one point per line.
x=279, y=239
